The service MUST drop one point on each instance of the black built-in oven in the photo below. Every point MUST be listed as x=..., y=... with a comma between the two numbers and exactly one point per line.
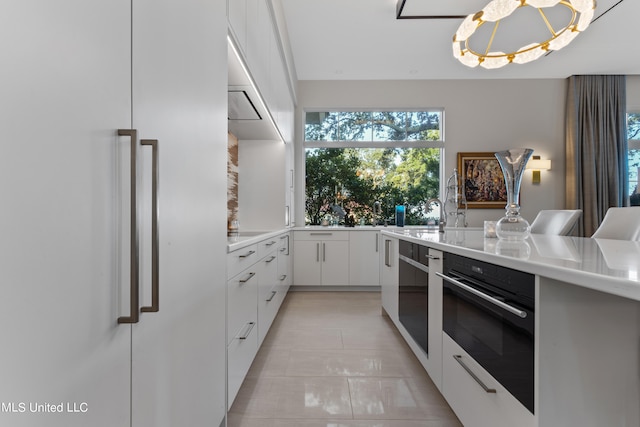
x=413, y=291
x=489, y=311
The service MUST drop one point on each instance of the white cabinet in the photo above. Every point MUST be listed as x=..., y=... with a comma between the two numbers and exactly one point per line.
x=475, y=396
x=177, y=352
x=62, y=101
x=285, y=266
x=433, y=364
x=242, y=326
x=256, y=34
x=364, y=256
x=68, y=84
x=389, y=276
x=237, y=10
x=321, y=258
x=255, y=291
x=269, y=294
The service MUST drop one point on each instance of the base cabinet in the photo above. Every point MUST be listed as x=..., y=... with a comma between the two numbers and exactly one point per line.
x=322, y=258
x=254, y=296
x=364, y=256
x=389, y=276
x=475, y=396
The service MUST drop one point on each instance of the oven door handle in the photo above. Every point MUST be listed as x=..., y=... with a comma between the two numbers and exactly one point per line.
x=413, y=263
x=492, y=300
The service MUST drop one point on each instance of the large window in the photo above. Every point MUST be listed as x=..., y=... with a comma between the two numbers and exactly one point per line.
x=361, y=161
x=633, y=134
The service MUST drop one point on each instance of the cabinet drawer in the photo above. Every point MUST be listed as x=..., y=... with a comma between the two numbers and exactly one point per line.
x=240, y=355
x=241, y=259
x=242, y=297
x=266, y=246
x=267, y=310
x=471, y=403
x=322, y=235
x=283, y=243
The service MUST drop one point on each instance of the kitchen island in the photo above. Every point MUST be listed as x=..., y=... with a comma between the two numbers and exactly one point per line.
x=586, y=351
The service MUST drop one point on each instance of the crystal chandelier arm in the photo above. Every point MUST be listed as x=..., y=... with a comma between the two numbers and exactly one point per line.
x=546, y=21
x=493, y=34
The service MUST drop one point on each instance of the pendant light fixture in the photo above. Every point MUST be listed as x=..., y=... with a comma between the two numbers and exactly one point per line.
x=581, y=14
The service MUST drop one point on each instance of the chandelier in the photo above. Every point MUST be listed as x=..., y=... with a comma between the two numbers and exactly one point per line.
x=581, y=12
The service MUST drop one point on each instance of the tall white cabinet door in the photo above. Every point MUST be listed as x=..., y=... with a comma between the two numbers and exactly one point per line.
x=179, y=93
x=65, y=84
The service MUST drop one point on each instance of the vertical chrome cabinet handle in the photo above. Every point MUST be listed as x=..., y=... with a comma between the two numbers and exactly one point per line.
x=317, y=252
x=377, y=243
x=324, y=252
x=135, y=261
x=155, y=239
x=458, y=359
x=387, y=253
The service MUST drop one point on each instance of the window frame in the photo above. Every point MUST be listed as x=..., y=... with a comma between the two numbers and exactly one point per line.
x=310, y=144
x=440, y=143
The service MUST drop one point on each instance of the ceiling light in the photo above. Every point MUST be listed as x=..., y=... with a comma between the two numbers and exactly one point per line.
x=581, y=12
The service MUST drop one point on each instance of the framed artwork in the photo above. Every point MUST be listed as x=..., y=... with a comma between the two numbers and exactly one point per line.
x=482, y=181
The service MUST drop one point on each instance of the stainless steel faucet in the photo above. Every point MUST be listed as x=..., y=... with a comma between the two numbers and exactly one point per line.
x=442, y=221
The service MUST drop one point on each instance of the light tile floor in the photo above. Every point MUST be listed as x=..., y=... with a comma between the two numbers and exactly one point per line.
x=332, y=360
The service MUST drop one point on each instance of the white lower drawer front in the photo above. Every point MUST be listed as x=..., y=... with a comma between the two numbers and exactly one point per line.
x=472, y=404
x=240, y=354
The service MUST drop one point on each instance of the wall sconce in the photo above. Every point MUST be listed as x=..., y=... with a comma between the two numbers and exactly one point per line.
x=536, y=164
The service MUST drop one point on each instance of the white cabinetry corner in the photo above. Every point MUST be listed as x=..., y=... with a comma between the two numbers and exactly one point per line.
x=321, y=258
x=364, y=258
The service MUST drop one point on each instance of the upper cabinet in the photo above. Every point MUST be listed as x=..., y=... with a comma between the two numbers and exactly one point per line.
x=256, y=37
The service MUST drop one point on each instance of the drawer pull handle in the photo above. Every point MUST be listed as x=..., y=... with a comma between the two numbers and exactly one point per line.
x=283, y=277
x=273, y=294
x=432, y=257
x=458, y=359
x=283, y=237
x=283, y=249
x=248, y=254
x=321, y=234
x=249, y=277
x=271, y=243
x=250, y=326
x=270, y=259
x=489, y=298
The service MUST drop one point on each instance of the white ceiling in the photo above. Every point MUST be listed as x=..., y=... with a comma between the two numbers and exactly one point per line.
x=363, y=40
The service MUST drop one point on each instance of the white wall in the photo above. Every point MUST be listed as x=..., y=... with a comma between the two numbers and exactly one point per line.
x=262, y=171
x=480, y=115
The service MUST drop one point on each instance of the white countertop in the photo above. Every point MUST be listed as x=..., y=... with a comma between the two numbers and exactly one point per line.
x=243, y=238
x=611, y=266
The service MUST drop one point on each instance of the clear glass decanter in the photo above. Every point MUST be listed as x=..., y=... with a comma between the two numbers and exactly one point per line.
x=512, y=226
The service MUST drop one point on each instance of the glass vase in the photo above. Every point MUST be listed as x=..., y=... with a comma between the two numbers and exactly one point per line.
x=512, y=226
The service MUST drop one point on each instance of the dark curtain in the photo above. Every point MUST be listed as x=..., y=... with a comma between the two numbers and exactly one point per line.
x=597, y=176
